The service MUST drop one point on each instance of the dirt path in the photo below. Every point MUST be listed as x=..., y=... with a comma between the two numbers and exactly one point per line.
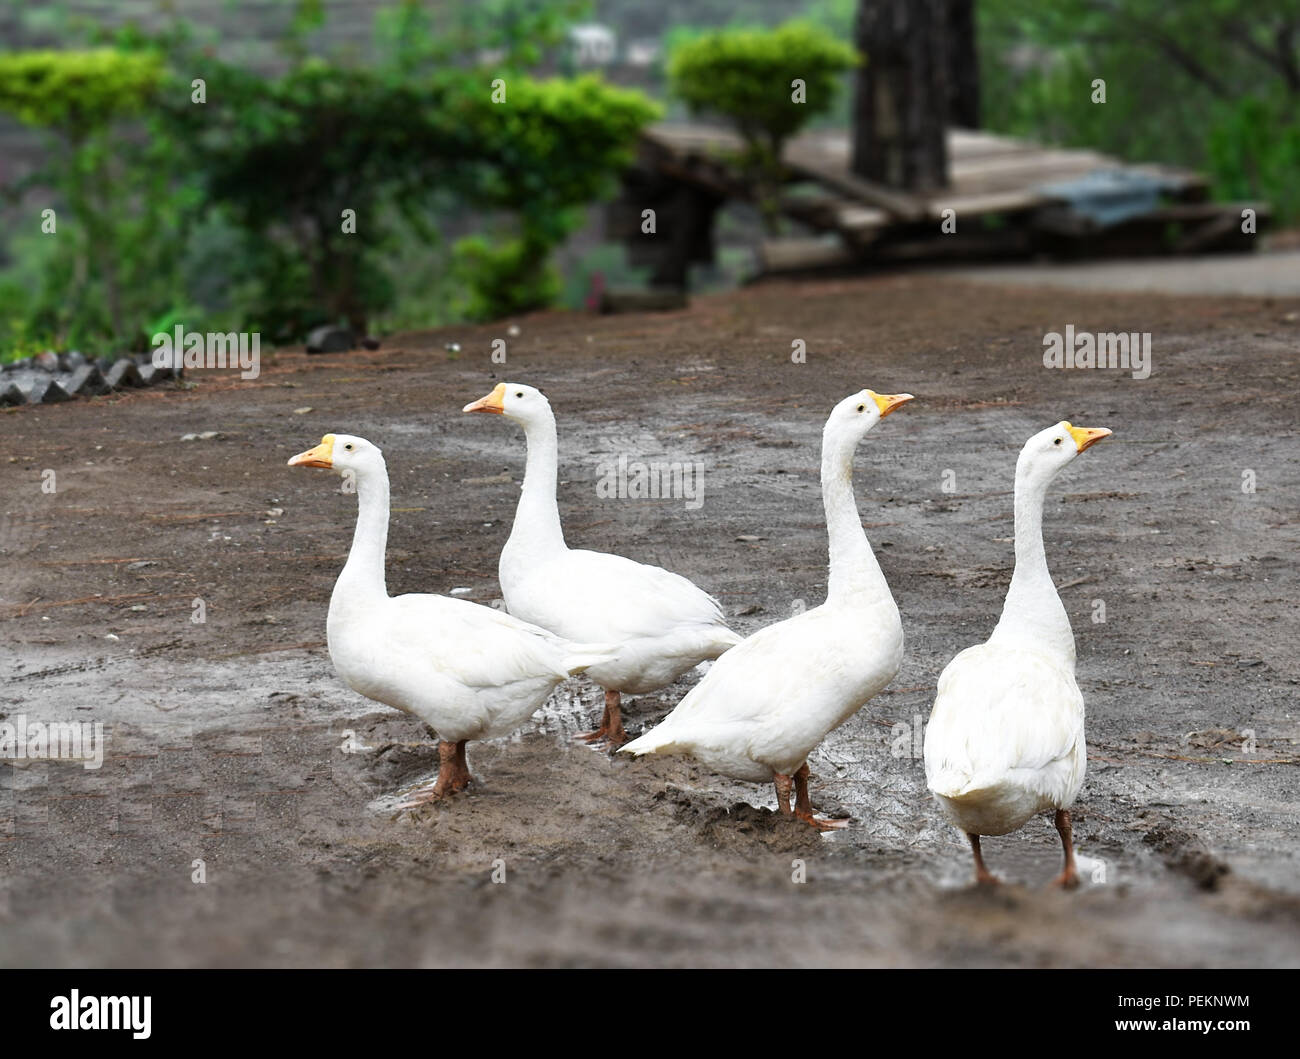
x=227, y=738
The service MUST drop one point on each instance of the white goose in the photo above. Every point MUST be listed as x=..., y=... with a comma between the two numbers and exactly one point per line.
x=1005, y=739
x=663, y=624
x=465, y=670
x=767, y=703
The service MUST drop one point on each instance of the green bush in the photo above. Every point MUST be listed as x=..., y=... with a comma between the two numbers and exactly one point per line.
x=104, y=263
x=504, y=278
x=286, y=158
x=747, y=76
x=1254, y=152
x=548, y=148
x=231, y=209
x=76, y=92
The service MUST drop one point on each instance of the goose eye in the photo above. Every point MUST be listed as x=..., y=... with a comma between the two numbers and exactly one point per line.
x=1057, y=441
x=862, y=408
x=348, y=447
x=519, y=393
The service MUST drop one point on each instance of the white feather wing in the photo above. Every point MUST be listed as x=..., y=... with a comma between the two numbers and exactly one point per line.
x=474, y=645
x=595, y=596
x=1002, y=715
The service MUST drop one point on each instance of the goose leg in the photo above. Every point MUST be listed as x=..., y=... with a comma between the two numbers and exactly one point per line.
x=803, y=804
x=983, y=876
x=611, y=723
x=1069, y=877
x=453, y=776
x=783, y=783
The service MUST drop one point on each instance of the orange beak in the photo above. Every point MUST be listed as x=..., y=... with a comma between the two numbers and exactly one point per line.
x=887, y=402
x=493, y=402
x=1085, y=436
x=321, y=456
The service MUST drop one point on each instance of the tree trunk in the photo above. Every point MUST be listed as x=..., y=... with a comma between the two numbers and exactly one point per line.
x=963, y=66
x=902, y=96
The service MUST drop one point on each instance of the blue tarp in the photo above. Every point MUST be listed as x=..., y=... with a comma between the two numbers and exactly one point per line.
x=1109, y=196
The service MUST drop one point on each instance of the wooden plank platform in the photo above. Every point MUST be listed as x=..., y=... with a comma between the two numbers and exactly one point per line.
x=991, y=175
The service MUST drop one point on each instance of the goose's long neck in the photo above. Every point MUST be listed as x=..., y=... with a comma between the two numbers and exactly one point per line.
x=1033, y=612
x=537, y=519
x=854, y=572
x=362, y=578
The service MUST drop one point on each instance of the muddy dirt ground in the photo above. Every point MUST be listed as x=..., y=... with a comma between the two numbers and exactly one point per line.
x=231, y=742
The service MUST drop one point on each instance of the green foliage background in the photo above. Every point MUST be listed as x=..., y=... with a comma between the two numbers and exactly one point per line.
x=1211, y=85
x=226, y=215
x=227, y=211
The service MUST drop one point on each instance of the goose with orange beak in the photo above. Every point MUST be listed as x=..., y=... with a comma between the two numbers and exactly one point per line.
x=664, y=625
x=465, y=670
x=766, y=704
x=1005, y=739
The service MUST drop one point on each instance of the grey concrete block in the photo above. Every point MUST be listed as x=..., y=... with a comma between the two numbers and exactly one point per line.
x=123, y=373
x=87, y=381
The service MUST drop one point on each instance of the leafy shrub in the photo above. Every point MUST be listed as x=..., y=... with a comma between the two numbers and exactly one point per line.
x=76, y=92
x=547, y=149
x=101, y=266
x=233, y=209
x=1254, y=152
x=747, y=76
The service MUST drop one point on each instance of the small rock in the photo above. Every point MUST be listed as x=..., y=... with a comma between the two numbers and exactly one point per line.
x=141, y=564
x=461, y=591
x=189, y=437
x=302, y=411
x=1247, y=663
x=513, y=330
x=452, y=347
x=329, y=339
x=208, y=435
x=139, y=607
x=748, y=537
x=47, y=361
x=745, y=612
x=274, y=512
